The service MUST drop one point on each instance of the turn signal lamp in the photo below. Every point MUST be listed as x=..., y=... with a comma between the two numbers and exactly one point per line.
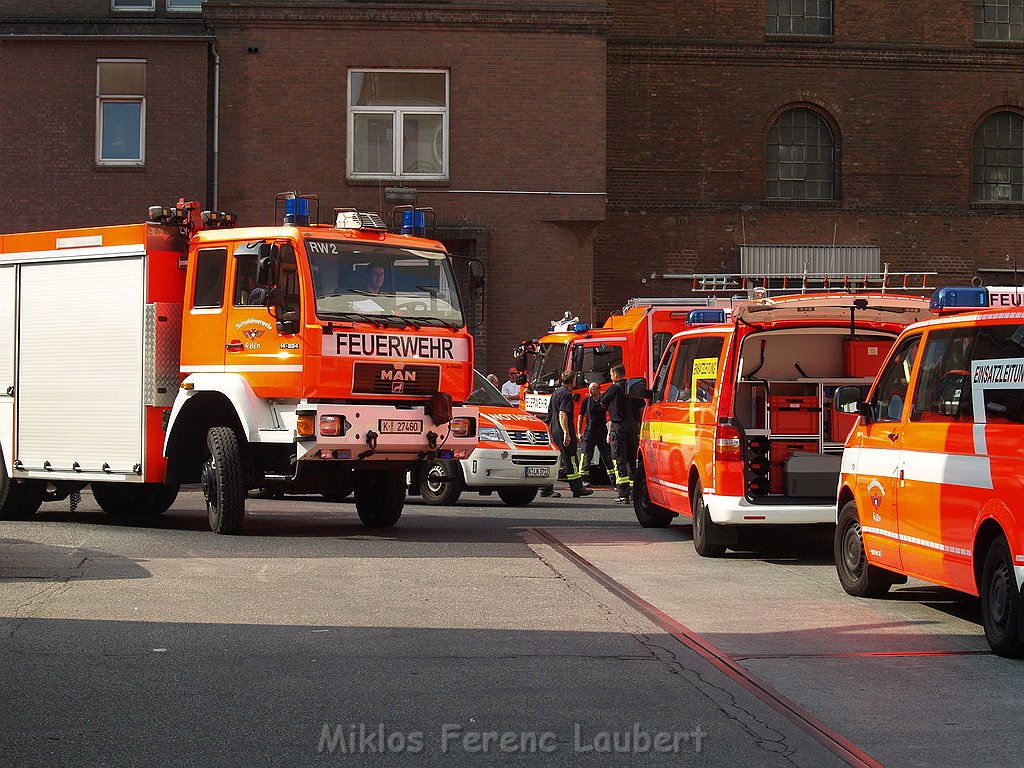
x=305, y=426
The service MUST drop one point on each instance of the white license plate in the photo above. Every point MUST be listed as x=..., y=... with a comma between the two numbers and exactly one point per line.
x=400, y=427
x=536, y=471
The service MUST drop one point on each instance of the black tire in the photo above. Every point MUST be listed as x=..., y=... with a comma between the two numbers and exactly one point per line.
x=19, y=501
x=648, y=514
x=518, y=495
x=441, y=492
x=857, y=576
x=134, y=499
x=704, y=528
x=380, y=496
x=1000, y=601
x=223, y=481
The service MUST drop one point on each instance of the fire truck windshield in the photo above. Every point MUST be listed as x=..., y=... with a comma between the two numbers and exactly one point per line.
x=383, y=281
x=548, y=365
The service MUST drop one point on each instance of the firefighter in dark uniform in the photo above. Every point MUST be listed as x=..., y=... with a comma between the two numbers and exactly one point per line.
x=625, y=432
x=562, y=424
x=593, y=424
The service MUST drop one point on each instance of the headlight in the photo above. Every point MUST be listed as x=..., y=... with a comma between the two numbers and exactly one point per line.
x=491, y=435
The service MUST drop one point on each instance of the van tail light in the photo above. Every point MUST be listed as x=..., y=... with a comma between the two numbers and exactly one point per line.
x=727, y=443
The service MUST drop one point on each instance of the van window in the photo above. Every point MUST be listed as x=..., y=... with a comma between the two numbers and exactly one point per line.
x=209, y=288
x=661, y=375
x=943, y=390
x=695, y=375
x=1002, y=403
x=658, y=343
x=597, y=362
x=894, y=381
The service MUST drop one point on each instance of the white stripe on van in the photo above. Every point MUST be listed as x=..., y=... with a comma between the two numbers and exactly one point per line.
x=920, y=466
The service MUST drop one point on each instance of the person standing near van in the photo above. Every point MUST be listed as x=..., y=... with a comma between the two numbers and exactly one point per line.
x=562, y=425
x=592, y=424
x=624, y=429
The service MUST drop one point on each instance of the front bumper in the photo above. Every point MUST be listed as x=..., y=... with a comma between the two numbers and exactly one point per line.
x=381, y=432
x=492, y=468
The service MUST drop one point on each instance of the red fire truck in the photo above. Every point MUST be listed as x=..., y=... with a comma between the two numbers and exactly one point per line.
x=305, y=357
x=635, y=337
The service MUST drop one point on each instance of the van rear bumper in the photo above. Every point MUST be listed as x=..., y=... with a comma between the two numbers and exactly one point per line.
x=737, y=510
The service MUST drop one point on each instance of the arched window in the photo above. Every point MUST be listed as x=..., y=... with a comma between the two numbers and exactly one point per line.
x=999, y=159
x=800, y=155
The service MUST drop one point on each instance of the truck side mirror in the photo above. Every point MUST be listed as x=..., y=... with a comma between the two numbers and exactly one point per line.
x=268, y=261
x=637, y=388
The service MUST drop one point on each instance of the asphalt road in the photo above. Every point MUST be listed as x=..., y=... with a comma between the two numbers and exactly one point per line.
x=475, y=634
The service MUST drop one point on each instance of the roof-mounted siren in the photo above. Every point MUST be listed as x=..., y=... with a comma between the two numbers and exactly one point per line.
x=705, y=316
x=296, y=208
x=350, y=218
x=416, y=222
x=958, y=299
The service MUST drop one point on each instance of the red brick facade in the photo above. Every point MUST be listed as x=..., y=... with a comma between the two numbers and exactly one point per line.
x=693, y=90
x=591, y=144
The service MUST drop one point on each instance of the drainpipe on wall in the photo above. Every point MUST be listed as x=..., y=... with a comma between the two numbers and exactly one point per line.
x=215, y=172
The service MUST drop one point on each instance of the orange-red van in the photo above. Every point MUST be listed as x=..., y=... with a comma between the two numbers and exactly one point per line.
x=738, y=431
x=933, y=474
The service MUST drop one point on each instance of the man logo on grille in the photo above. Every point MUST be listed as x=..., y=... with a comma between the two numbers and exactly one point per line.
x=397, y=387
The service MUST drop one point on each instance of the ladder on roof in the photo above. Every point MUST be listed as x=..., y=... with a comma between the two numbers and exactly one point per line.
x=667, y=301
x=885, y=281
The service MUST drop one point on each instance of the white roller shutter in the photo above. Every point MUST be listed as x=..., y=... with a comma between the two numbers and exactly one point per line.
x=81, y=365
x=7, y=309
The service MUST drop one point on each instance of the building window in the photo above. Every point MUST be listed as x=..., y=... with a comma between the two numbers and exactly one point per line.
x=133, y=5
x=999, y=159
x=999, y=20
x=800, y=157
x=120, y=112
x=184, y=5
x=799, y=17
x=398, y=124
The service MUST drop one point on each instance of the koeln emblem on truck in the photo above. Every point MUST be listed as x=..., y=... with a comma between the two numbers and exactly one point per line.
x=308, y=357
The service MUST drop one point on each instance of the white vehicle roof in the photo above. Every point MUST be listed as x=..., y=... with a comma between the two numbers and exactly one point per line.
x=867, y=308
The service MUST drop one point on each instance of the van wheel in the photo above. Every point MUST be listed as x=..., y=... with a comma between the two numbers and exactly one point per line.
x=1000, y=601
x=19, y=501
x=648, y=514
x=380, y=496
x=223, y=481
x=434, y=488
x=704, y=528
x=857, y=576
x=518, y=495
x=134, y=499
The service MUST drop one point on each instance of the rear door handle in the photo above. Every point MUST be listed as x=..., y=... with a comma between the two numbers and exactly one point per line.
x=894, y=436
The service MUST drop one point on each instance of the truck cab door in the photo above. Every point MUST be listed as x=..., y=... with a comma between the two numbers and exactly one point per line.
x=204, y=317
x=262, y=339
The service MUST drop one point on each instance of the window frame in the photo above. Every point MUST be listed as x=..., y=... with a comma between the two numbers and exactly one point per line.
x=768, y=16
x=398, y=114
x=103, y=99
x=885, y=379
x=195, y=7
x=980, y=8
x=149, y=9
x=211, y=270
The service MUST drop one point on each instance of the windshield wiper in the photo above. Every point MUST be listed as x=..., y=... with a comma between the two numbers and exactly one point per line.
x=355, y=317
x=439, y=321
x=397, y=320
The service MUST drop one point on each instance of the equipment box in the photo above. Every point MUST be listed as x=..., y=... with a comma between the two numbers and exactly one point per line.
x=779, y=454
x=862, y=359
x=793, y=415
x=812, y=474
x=839, y=428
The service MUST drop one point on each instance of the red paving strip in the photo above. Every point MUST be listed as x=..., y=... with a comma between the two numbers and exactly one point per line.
x=834, y=742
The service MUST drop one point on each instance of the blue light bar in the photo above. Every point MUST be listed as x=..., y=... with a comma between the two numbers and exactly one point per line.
x=296, y=211
x=958, y=298
x=581, y=327
x=414, y=223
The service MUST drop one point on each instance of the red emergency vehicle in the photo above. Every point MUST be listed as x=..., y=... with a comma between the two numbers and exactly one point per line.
x=634, y=337
x=933, y=474
x=513, y=457
x=302, y=357
x=738, y=431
